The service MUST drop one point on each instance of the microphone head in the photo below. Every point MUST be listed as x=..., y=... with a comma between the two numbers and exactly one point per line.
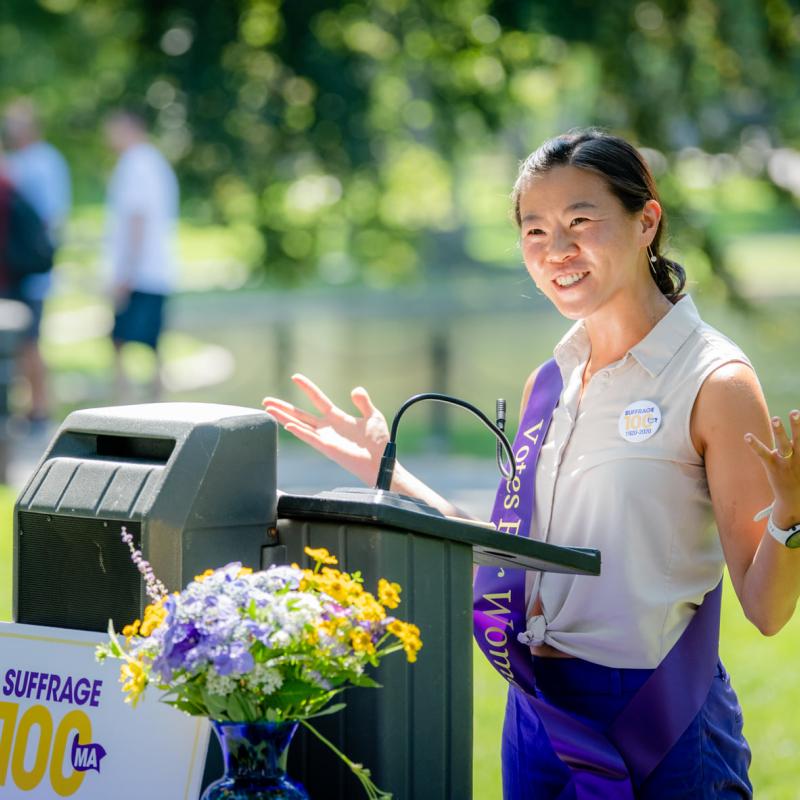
x=500, y=412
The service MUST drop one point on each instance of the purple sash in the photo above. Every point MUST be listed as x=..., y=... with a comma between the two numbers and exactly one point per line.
x=606, y=764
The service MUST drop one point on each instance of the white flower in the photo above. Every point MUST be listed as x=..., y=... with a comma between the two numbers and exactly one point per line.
x=219, y=684
x=280, y=639
x=264, y=679
x=275, y=578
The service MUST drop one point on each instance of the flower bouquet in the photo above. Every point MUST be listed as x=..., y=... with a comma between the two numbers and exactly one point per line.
x=260, y=653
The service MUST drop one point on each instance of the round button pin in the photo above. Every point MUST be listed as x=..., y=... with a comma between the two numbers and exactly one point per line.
x=639, y=421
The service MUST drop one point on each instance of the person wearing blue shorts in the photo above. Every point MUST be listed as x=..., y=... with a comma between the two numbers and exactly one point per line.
x=657, y=427
x=139, y=318
x=142, y=213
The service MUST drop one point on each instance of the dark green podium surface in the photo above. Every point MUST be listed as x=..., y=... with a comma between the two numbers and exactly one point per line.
x=415, y=734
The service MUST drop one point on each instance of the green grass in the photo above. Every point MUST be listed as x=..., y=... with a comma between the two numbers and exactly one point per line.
x=7, y=497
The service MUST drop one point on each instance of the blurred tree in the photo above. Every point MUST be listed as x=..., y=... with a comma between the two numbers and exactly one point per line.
x=339, y=139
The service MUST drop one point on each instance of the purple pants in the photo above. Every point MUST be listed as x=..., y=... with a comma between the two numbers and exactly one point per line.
x=708, y=762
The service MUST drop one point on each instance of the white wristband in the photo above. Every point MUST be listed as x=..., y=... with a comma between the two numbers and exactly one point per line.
x=790, y=537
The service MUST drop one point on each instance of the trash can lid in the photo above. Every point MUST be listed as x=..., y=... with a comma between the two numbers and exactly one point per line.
x=177, y=412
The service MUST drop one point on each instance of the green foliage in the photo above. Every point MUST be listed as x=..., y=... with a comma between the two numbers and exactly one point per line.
x=340, y=140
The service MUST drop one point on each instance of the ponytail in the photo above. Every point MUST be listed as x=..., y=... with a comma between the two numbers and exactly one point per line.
x=670, y=276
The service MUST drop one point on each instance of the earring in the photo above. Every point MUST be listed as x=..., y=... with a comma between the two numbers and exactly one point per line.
x=651, y=257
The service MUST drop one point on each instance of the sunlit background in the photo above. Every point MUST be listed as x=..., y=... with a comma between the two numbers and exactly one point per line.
x=345, y=171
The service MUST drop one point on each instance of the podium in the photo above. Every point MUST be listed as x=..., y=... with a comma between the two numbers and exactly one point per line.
x=414, y=734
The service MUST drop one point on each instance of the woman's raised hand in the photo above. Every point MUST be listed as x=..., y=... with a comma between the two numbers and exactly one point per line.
x=355, y=443
x=782, y=466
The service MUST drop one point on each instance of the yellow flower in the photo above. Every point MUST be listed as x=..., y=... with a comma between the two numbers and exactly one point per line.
x=133, y=679
x=411, y=652
x=131, y=630
x=361, y=641
x=320, y=555
x=389, y=593
x=335, y=588
x=308, y=581
x=201, y=578
x=408, y=634
x=338, y=585
x=353, y=586
x=154, y=615
x=245, y=571
x=332, y=625
x=368, y=608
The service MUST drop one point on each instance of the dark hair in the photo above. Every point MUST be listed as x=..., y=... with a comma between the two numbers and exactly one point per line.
x=625, y=172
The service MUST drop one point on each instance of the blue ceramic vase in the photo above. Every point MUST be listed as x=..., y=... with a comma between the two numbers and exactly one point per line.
x=255, y=762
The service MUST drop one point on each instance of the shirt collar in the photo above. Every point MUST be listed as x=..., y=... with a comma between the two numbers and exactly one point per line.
x=653, y=352
x=573, y=349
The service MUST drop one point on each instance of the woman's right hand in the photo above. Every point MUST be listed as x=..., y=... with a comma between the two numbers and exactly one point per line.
x=355, y=443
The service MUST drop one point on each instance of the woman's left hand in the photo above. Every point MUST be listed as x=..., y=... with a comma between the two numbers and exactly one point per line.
x=782, y=466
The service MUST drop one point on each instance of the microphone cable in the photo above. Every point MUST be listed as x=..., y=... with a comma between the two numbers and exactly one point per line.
x=389, y=457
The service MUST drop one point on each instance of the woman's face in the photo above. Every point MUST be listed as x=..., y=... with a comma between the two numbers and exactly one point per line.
x=580, y=245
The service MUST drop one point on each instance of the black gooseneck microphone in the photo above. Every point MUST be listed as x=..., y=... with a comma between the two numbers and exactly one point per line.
x=500, y=414
x=389, y=457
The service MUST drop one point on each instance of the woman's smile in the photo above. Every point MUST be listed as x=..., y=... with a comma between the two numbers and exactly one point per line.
x=569, y=280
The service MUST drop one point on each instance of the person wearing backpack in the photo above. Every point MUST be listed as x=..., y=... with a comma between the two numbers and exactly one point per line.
x=25, y=247
x=41, y=176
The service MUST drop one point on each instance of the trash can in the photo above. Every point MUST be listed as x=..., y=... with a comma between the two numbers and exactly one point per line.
x=414, y=734
x=15, y=318
x=194, y=483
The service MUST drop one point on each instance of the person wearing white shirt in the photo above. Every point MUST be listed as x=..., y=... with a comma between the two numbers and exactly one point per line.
x=41, y=175
x=142, y=210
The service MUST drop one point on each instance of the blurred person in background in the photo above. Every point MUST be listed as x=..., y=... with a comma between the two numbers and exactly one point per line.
x=142, y=209
x=41, y=175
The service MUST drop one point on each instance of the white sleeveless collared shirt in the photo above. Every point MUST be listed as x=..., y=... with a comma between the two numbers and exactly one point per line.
x=633, y=486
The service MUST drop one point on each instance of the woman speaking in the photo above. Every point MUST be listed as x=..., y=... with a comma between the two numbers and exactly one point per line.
x=645, y=423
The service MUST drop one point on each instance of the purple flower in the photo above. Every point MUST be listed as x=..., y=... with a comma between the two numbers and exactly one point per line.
x=153, y=586
x=258, y=630
x=236, y=659
x=177, y=648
